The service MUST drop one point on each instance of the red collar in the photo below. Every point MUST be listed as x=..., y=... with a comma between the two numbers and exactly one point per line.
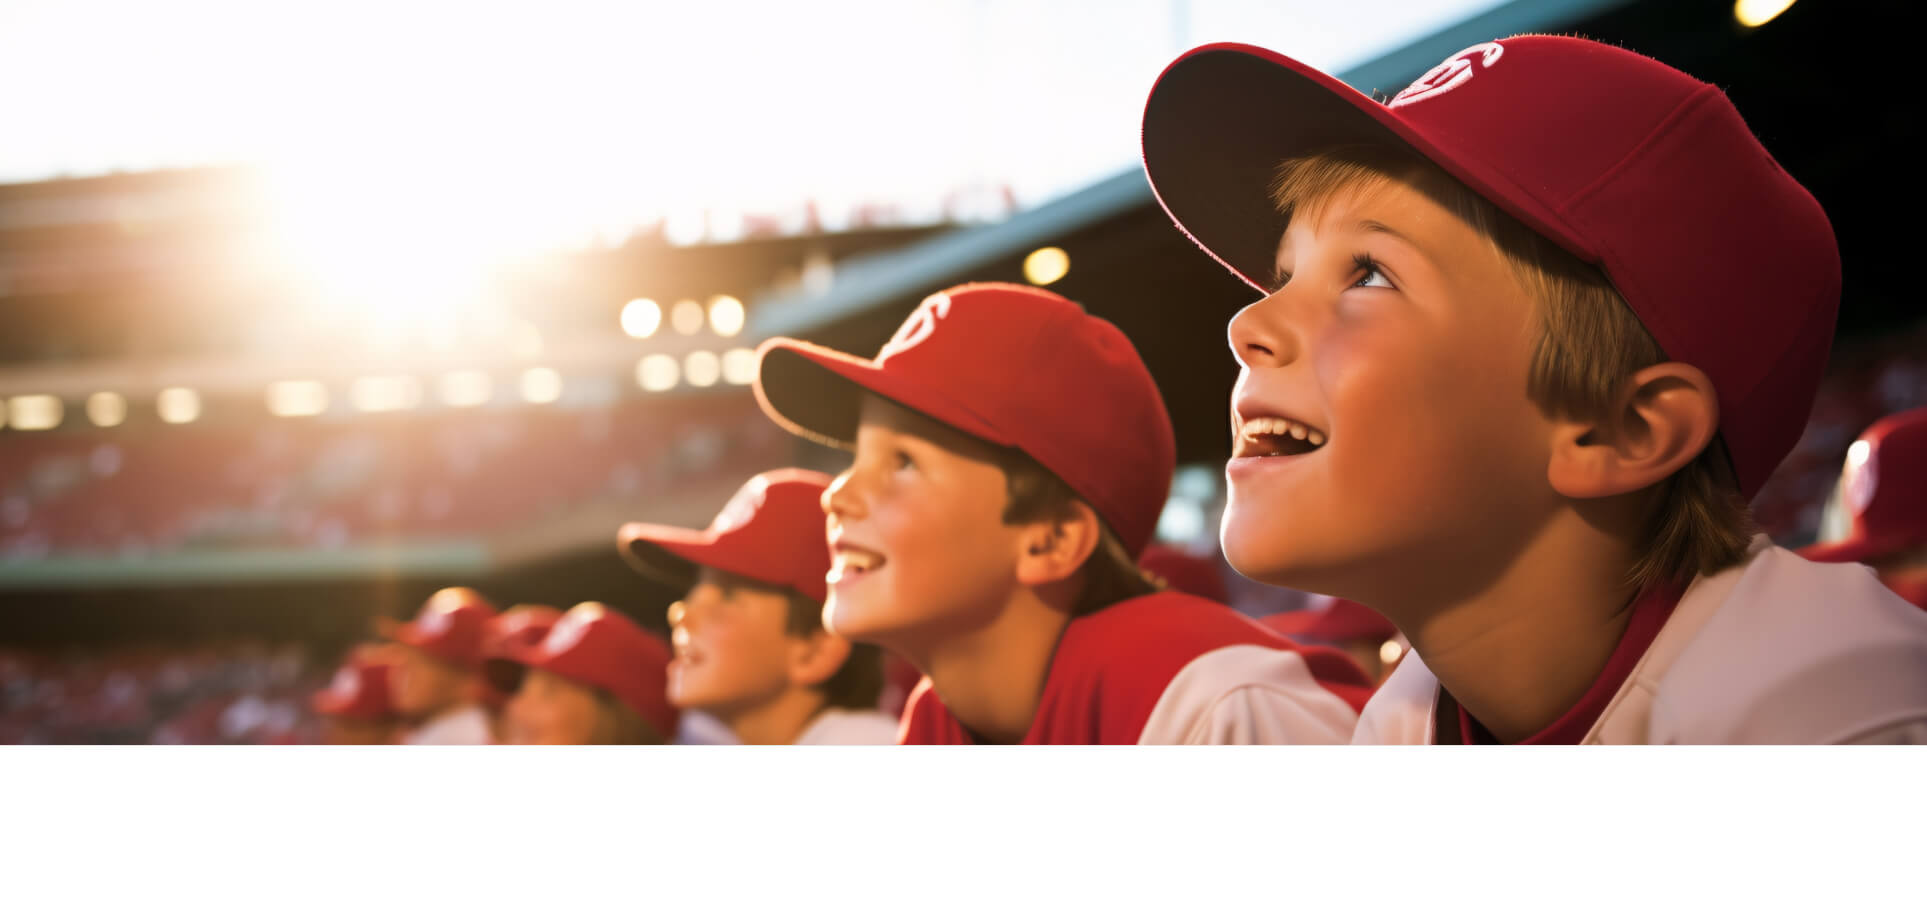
x=1649, y=615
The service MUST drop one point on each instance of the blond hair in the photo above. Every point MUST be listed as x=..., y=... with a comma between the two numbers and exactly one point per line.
x=1589, y=345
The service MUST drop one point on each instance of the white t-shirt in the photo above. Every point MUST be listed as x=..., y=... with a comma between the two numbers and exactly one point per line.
x=850, y=726
x=464, y=725
x=702, y=728
x=1778, y=650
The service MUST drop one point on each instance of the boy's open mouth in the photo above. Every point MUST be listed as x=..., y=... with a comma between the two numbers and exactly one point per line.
x=848, y=561
x=1275, y=436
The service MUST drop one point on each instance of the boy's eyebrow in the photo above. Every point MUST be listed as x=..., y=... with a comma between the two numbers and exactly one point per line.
x=1370, y=226
x=1364, y=226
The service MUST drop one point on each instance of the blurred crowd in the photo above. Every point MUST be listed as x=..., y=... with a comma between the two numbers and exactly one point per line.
x=299, y=485
x=236, y=693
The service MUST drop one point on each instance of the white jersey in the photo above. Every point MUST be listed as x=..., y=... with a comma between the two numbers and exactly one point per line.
x=850, y=726
x=1777, y=650
x=463, y=725
x=702, y=728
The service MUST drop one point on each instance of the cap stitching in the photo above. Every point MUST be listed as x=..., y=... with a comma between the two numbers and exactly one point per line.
x=1676, y=115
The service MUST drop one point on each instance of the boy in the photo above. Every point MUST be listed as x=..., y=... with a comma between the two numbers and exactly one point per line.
x=1878, y=516
x=591, y=677
x=1532, y=332
x=519, y=627
x=1012, y=456
x=355, y=706
x=751, y=649
x=434, y=678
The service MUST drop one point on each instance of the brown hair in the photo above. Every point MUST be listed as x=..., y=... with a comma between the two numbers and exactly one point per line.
x=616, y=723
x=1035, y=494
x=1589, y=345
x=858, y=684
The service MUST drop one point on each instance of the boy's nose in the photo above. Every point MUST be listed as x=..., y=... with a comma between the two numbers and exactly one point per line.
x=1261, y=335
x=840, y=500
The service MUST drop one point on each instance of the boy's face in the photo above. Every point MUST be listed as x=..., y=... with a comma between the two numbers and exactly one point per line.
x=422, y=684
x=549, y=709
x=918, y=544
x=1396, y=353
x=732, y=647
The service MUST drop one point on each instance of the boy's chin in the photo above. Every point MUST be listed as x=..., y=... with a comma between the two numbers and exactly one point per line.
x=1279, y=567
x=844, y=622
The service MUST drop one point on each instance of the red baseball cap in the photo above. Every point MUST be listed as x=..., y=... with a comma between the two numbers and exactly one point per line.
x=1629, y=164
x=359, y=691
x=1883, y=492
x=1196, y=575
x=450, y=626
x=518, y=626
x=1340, y=620
x=771, y=531
x=1013, y=366
x=599, y=647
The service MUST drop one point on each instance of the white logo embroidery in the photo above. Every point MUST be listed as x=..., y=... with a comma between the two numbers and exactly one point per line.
x=742, y=507
x=569, y=631
x=918, y=327
x=1451, y=73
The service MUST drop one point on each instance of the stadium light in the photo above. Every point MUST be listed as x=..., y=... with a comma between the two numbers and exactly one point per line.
x=1046, y=265
x=376, y=393
x=739, y=366
x=106, y=409
x=702, y=368
x=657, y=372
x=34, y=412
x=302, y=398
x=1389, y=652
x=527, y=339
x=178, y=405
x=466, y=388
x=641, y=318
x=726, y=315
x=687, y=316
x=541, y=385
x=1756, y=13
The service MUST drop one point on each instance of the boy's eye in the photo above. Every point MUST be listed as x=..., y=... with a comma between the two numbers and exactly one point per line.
x=1370, y=274
x=904, y=460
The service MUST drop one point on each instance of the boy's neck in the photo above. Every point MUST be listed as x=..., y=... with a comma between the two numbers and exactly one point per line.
x=1524, y=649
x=781, y=720
x=992, y=678
x=441, y=712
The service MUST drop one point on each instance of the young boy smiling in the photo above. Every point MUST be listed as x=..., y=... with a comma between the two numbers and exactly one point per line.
x=1532, y=332
x=751, y=649
x=1011, y=458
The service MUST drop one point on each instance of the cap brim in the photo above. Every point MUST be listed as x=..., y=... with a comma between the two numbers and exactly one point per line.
x=325, y=702
x=408, y=634
x=664, y=554
x=1340, y=621
x=1222, y=117
x=816, y=393
x=1847, y=550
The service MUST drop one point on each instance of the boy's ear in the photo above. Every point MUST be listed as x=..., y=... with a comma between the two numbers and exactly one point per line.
x=1660, y=421
x=1053, y=549
x=814, y=660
